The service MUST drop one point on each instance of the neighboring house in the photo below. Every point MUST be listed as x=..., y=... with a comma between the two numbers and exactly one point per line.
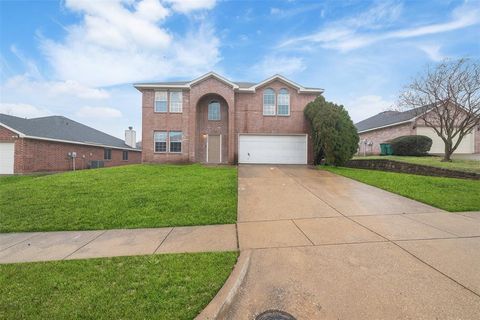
x=58, y=144
x=391, y=124
x=214, y=120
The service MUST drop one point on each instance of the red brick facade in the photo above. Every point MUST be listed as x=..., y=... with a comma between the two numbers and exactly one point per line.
x=242, y=112
x=32, y=155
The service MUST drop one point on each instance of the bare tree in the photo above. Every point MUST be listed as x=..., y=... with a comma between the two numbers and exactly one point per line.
x=446, y=98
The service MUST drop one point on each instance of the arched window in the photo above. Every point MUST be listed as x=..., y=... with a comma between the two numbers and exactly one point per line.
x=214, y=111
x=269, y=102
x=283, y=102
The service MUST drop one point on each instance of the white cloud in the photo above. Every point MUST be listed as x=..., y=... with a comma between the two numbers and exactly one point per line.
x=353, y=33
x=186, y=6
x=366, y=106
x=432, y=51
x=23, y=110
x=98, y=112
x=116, y=43
x=283, y=65
x=52, y=89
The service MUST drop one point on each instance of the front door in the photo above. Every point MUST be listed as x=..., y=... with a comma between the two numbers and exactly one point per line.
x=214, y=149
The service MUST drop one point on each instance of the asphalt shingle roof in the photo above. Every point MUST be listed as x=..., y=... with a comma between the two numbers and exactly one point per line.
x=61, y=128
x=387, y=118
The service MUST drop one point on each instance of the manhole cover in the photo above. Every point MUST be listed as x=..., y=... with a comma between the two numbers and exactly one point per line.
x=274, y=315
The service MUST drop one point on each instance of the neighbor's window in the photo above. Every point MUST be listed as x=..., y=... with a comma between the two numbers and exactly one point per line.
x=214, y=110
x=269, y=102
x=175, y=141
x=175, y=101
x=160, y=139
x=283, y=102
x=107, y=154
x=160, y=101
x=125, y=155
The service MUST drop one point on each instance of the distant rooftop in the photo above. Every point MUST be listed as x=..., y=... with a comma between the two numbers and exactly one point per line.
x=388, y=118
x=61, y=128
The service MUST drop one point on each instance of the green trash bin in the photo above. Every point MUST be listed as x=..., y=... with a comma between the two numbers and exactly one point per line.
x=383, y=149
x=389, y=149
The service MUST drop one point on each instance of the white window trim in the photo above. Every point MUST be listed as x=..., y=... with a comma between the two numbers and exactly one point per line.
x=166, y=142
x=181, y=142
x=155, y=101
x=274, y=103
x=170, y=101
x=219, y=111
x=289, y=106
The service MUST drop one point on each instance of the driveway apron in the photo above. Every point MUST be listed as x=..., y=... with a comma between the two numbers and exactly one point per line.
x=327, y=247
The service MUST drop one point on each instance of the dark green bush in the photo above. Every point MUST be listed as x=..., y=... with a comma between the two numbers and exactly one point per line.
x=411, y=145
x=334, y=136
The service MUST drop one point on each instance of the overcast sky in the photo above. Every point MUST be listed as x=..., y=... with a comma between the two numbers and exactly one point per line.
x=78, y=58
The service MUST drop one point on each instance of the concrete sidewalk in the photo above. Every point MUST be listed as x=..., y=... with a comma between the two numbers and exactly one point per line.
x=45, y=246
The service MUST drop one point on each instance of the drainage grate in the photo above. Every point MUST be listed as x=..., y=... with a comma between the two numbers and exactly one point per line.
x=274, y=315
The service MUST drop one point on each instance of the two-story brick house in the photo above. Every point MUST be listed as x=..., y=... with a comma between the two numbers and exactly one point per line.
x=214, y=120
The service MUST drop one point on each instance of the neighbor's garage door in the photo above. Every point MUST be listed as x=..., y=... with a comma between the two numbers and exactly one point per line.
x=438, y=146
x=274, y=149
x=7, y=153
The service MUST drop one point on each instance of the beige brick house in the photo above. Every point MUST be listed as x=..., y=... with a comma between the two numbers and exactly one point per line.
x=214, y=120
x=387, y=125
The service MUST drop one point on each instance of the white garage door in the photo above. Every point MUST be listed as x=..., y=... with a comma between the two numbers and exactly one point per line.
x=7, y=153
x=275, y=149
x=438, y=146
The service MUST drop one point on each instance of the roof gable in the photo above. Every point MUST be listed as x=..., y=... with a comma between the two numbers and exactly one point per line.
x=239, y=86
x=213, y=75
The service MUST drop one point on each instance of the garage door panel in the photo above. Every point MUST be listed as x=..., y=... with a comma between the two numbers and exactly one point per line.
x=273, y=149
x=466, y=146
x=7, y=157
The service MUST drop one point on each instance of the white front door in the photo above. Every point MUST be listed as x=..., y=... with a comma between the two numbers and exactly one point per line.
x=7, y=157
x=272, y=149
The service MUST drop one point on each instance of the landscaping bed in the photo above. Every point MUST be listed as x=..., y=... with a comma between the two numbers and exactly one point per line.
x=450, y=194
x=174, y=286
x=134, y=196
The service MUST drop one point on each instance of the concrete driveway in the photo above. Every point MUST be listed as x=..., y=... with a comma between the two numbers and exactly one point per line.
x=327, y=247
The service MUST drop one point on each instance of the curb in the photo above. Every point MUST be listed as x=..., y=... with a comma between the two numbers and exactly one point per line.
x=220, y=303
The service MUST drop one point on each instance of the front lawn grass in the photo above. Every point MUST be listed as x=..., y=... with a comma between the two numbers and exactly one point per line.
x=445, y=193
x=133, y=196
x=434, y=161
x=173, y=286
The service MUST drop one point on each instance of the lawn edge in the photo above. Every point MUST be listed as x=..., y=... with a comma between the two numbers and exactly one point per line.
x=220, y=304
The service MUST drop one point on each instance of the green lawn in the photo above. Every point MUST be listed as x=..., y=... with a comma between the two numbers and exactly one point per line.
x=457, y=164
x=121, y=197
x=174, y=286
x=444, y=193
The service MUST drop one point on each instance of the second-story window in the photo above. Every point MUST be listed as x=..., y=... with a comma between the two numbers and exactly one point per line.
x=160, y=101
x=283, y=101
x=175, y=101
x=269, y=102
x=214, y=111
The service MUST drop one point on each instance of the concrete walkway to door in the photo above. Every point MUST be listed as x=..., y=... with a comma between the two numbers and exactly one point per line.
x=327, y=247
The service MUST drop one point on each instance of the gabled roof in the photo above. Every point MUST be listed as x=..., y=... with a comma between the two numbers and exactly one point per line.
x=239, y=86
x=61, y=129
x=388, y=119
